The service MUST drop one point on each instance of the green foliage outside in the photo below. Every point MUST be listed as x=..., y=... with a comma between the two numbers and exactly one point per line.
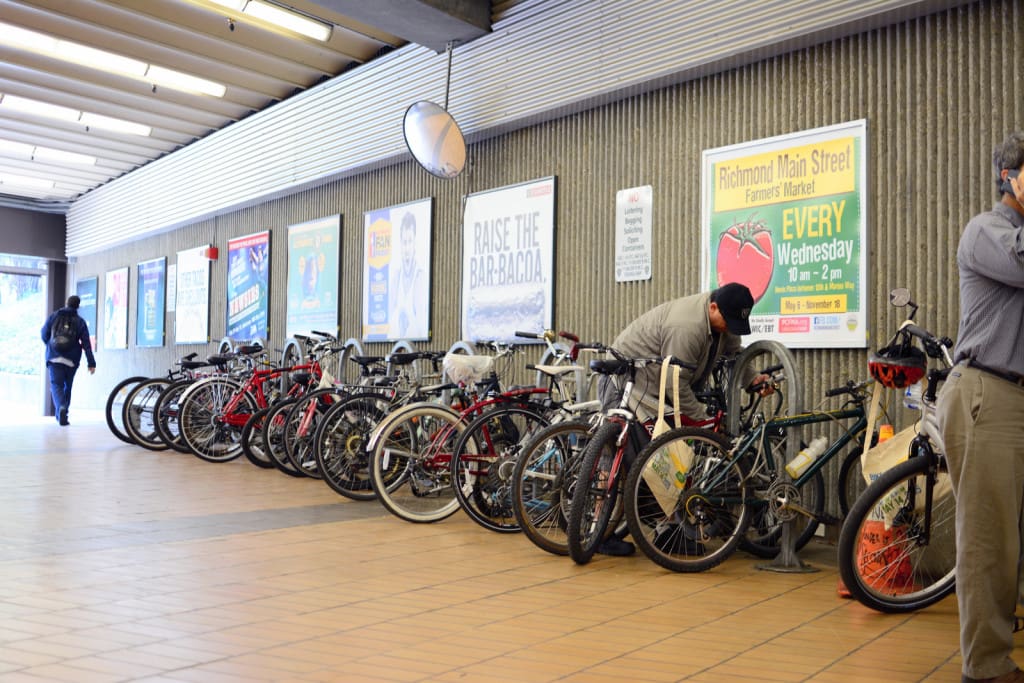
x=21, y=349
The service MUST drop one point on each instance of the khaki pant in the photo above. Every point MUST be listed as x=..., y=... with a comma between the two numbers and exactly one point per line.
x=982, y=422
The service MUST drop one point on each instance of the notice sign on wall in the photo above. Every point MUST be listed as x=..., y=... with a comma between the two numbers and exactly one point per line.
x=633, y=233
x=785, y=216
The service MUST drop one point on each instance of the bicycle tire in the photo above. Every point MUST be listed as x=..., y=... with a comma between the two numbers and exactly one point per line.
x=115, y=404
x=168, y=409
x=252, y=440
x=300, y=448
x=139, y=415
x=484, y=457
x=417, y=442
x=340, y=444
x=710, y=514
x=904, y=568
x=275, y=431
x=543, y=480
x=208, y=436
x=593, y=503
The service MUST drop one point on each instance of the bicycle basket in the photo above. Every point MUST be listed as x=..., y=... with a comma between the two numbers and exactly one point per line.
x=897, y=366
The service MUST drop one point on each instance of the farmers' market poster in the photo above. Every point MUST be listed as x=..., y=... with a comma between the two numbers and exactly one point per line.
x=396, y=272
x=786, y=217
x=149, y=307
x=313, y=252
x=87, y=290
x=115, y=309
x=192, y=306
x=248, y=282
x=508, y=243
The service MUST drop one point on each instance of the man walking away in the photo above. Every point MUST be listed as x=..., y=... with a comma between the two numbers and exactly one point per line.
x=66, y=335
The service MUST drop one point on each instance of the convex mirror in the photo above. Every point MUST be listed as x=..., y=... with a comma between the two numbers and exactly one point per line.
x=435, y=140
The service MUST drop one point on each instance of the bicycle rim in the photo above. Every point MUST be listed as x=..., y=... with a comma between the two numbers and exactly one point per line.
x=594, y=500
x=340, y=446
x=168, y=408
x=202, y=423
x=115, y=407
x=139, y=414
x=704, y=520
x=888, y=559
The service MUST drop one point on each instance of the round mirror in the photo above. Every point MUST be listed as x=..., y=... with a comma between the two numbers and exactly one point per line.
x=899, y=297
x=434, y=139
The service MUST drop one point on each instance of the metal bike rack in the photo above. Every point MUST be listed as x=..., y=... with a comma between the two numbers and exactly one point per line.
x=786, y=561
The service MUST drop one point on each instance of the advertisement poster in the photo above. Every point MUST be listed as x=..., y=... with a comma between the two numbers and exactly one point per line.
x=508, y=244
x=786, y=216
x=248, y=286
x=396, y=272
x=115, y=309
x=314, y=250
x=87, y=290
x=192, y=309
x=633, y=208
x=151, y=285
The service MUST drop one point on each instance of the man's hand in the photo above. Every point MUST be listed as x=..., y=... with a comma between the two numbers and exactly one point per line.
x=92, y=370
x=762, y=384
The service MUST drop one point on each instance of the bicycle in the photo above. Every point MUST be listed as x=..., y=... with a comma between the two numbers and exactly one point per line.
x=897, y=546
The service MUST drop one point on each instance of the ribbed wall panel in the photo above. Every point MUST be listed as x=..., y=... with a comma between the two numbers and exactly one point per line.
x=542, y=61
x=935, y=94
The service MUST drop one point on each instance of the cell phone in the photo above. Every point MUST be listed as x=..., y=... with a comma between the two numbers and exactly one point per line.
x=1006, y=186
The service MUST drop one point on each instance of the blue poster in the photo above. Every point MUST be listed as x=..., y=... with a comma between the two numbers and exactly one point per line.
x=248, y=286
x=87, y=290
x=152, y=287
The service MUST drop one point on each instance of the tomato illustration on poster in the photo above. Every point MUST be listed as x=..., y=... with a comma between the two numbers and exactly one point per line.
x=786, y=216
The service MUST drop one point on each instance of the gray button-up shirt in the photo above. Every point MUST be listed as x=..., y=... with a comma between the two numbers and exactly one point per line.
x=990, y=258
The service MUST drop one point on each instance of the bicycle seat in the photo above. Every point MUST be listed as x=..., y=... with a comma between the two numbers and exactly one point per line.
x=610, y=366
x=249, y=349
x=367, y=361
x=404, y=358
x=219, y=359
x=554, y=370
x=194, y=364
x=301, y=376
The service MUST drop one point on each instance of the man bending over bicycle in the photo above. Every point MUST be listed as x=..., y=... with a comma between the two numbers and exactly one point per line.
x=697, y=329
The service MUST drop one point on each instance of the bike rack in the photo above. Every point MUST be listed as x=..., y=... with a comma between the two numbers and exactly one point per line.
x=786, y=561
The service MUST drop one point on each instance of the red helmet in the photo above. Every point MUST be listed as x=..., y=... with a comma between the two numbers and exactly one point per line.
x=898, y=366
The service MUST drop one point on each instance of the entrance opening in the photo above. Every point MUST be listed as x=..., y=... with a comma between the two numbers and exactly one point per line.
x=23, y=311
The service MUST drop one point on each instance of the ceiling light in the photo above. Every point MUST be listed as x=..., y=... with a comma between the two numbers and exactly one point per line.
x=236, y=5
x=26, y=182
x=62, y=157
x=99, y=59
x=16, y=149
x=293, y=21
x=114, y=125
x=15, y=36
x=182, y=81
x=37, y=108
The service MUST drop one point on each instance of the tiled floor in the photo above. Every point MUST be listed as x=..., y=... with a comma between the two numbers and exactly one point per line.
x=124, y=564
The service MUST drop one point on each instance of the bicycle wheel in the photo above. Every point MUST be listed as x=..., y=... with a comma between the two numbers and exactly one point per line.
x=701, y=523
x=890, y=557
x=115, y=407
x=139, y=413
x=167, y=410
x=252, y=440
x=764, y=534
x=596, y=494
x=275, y=431
x=210, y=433
x=303, y=418
x=543, y=480
x=484, y=458
x=340, y=444
x=410, y=468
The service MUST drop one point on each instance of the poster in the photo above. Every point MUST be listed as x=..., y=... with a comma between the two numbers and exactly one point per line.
x=314, y=251
x=786, y=216
x=633, y=209
x=115, y=309
x=87, y=290
x=508, y=243
x=149, y=305
x=396, y=272
x=172, y=286
x=192, y=309
x=248, y=305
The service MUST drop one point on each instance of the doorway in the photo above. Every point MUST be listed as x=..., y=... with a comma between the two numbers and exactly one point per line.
x=22, y=313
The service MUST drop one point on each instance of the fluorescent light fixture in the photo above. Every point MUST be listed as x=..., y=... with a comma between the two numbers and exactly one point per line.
x=15, y=36
x=37, y=108
x=182, y=81
x=61, y=156
x=26, y=182
x=16, y=149
x=99, y=59
x=236, y=5
x=293, y=21
x=114, y=125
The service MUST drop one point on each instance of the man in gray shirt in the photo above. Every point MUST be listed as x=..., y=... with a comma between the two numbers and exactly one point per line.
x=981, y=414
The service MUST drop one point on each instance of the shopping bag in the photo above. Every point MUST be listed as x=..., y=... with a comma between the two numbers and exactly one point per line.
x=665, y=471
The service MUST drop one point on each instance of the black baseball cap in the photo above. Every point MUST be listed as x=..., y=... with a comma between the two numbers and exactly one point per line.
x=73, y=301
x=734, y=303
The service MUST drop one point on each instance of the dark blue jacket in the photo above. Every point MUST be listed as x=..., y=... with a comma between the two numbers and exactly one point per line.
x=75, y=354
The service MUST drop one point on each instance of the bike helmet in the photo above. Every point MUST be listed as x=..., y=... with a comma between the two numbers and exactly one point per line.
x=897, y=366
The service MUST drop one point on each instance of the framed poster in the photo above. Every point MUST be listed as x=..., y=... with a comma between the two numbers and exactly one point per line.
x=786, y=216
x=151, y=286
x=248, y=286
x=87, y=290
x=396, y=272
x=192, y=308
x=314, y=251
x=115, y=309
x=508, y=245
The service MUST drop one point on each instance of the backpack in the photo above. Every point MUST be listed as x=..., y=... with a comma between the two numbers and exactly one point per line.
x=64, y=332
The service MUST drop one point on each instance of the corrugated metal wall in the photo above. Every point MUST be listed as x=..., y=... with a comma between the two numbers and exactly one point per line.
x=937, y=92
